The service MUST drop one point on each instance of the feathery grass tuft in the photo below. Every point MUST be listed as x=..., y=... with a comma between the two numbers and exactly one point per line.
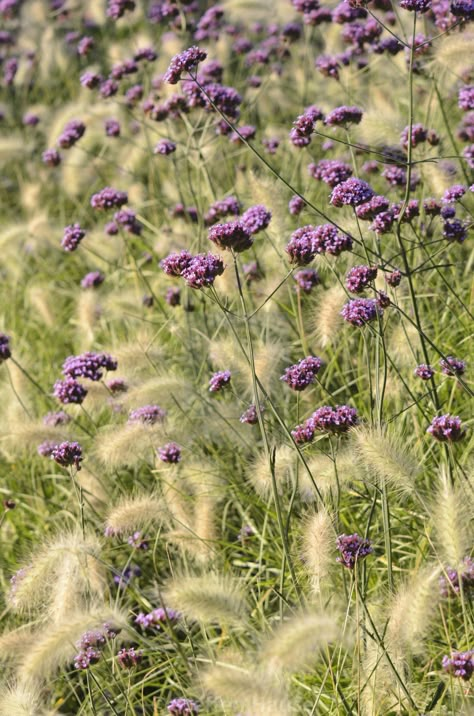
x=209, y=598
x=386, y=457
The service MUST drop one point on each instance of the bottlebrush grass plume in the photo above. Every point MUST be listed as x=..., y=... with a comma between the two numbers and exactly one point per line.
x=139, y=355
x=88, y=313
x=27, y=435
x=318, y=542
x=96, y=490
x=452, y=53
x=13, y=645
x=323, y=470
x=386, y=457
x=259, y=472
x=326, y=320
x=135, y=513
x=22, y=698
x=452, y=523
x=159, y=390
x=127, y=445
x=40, y=299
x=208, y=599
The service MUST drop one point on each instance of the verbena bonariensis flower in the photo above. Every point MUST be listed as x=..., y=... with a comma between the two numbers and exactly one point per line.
x=353, y=549
x=462, y=8
x=165, y=147
x=452, y=366
x=328, y=66
x=303, y=433
x=296, y=205
x=351, y=192
x=157, y=618
x=183, y=62
x=232, y=235
x=147, y=54
x=86, y=658
x=71, y=133
x=109, y=198
x=56, y=418
x=333, y=420
x=128, y=658
x=108, y=88
x=360, y=311
x=359, y=277
x=128, y=220
x=455, y=581
x=250, y=416
x=416, y=5
x=183, y=707
x=85, y=45
x=117, y=385
x=88, y=365
x=45, y=449
x=330, y=171
x=219, y=380
x=303, y=373
x=171, y=452
x=306, y=280
x=327, y=239
x=448, y=212
x=93, y=279
x=410, y=210
x=91, y=80
x=174, y=264
x=5, y=351
x=69, y=391
x=344, y=12
x=447, y=428
x=466, y=97
x=224, y=207
x=173, y=296
x=423, y=371
x=137, y=541
x=468, y=154
x=394, y=278
x=383, y=222
x=454, y=231
x=460, y=664
x=341, y=116
x=303, y=126
x=454, y=193
x=94, y=637
x=123, y=579
x=67, y=454
x=117, y=8
x=51, y=157
x=72, y=237
x=202, y=270
x=419, y=134
x=112, y=128
x=301, y=247
x=256, y=218
x=431, y=207
x=147, y=414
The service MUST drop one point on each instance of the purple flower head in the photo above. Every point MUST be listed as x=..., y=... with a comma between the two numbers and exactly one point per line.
x=410, y=211
x=157, y=618
x=303, y=433
x=91, y=80
x=57, y=418
x=123, y=579
x=256, y=218
x=341, y=116
x=468, y=154
x=109, y=198
x=466, y=97
x=416, y=5
x=302, y=374
x=108, y=88
x=224, y=207
x=359, y=277
x=454, y=193
x=460, y=664
x=69, y=391
x=202, y=270
x=418, y=135
x=327, y=239
x=175, y=264
x=183, y=707
x=45, y=449
x=306, y=280
x=352, y=548
x=85, y=45
x=183, y=62
x=173, y=296
x=165, y=147
x=147, y=415
x=171, y=452
x=452, y=366
x=111, y=228
x=86, y=658
x=245, y=132
x=383, y=222
x=128, y=220
x=330, y=171
x=93, y=279
x=250, y=416
x=328, y=66
x=394, y=278
x=146, y=54
x=128, y=658
x=454, y=231
x=431, y=207
x=296, y=205
x=455, y=581
x=137, y=542
x=271, y=144
x=30, y=120
x=5, y=351
x=93, y=637
x=51, y=157
x=462, y=8
x=66, y=454
x=219, y=380
x=117, y=8
x=72, y=237
x=112, y=128
x=351, y=192
x=448, y=212
x=88, y=365
x=117, y=385
x=360, y=311
x=233, y=235
x=71, y=133
x=301, y=247
x=423, y=371
x=333, y=420
x=446, y=428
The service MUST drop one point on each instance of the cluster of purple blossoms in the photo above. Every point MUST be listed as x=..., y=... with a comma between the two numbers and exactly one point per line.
x=463, y=9
x=183, y=707
x=71, y=133
x=5, y=351
x=419, y=134
x=410, y=210
x=87, y=658
x=67, y=454
x=256, y=219
x=351, y=192
x=173, y=296
x=330, y=171
x=327, y=239
x=250, y=416
x=394, y=278
x=353, y=549
x=72, y=237
x=117, y=8
x=341, y=116
x=202, y=270
x=326, y=419
x=112, y=128
x=165, y=147
x=69, y=391
x=183, y=62
x=109, y=198
x=416, y=5
x=147, y=415
x=128, y=658
x=90, y=645
x=137, y=541
x=301, y=247
x=30, y=120
x=359, y=277
x=447, y=428
x=171, y=452
x=117, y=385
x=219, y=380
x=424, y=371
x=91, y=80
x=468, y=154
x=328, y=66
x=93, y=279
x=233, y=235
x=225, y=207
x=45, y=449
x=88, y=365
x=431, y=207
x=303, y=126
x=296, y=205
x=452, y=366
x=457, y=581
x=454, y=193
x=157, y=618
x=51, y=157
x=123, y=579
x=306, y=280
x=57, y=418
x=454, y=230
x=460, y=664
x=127, y=219
x=360, y=311
x=466, y=98
x=303, y=373
x=85, y=45
x=383, y=222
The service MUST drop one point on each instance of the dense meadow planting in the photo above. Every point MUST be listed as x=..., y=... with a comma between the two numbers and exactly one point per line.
x=235, y=371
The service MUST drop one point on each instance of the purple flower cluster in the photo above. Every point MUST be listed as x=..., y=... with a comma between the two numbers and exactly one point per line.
x=219, y=380
x=330, y=171
x=306, y=280
x=455, y=581
x=454, y=231
x=353, y=549
x=112, y=128
x=127, y=219
x=71, y=133
x=342, y=116
x=303, y=126
x=351, y=192
x=452, y=366
x=419, y=134
x=256, y=219
x=233, y=235
x=88, y=365
x=183, y=62
x=128, y=658
x=87, y=658
x=326, y=419
x=90, y=645
x=224, y=207
x=183, y=707
x=117, y=8
x=171, y=452
x=57, y=418
x=67, y=454
x=157, y=618
x=394, y=278
x=447, y=428
x=359, y=277
x=423, y=371
x=250, y=416
x=72, y=237
x=466, y=97
x=51, y=157
x=302, y=374
x=108, y=198
x=460, y=664
x=360, y=311
x=93, y=279
x=5, y=351
x=45, y=449
x=164, y=147
x=416, y=5
x=147, y=415
x=69, y=391
x=296, y=205
x=454, y=193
